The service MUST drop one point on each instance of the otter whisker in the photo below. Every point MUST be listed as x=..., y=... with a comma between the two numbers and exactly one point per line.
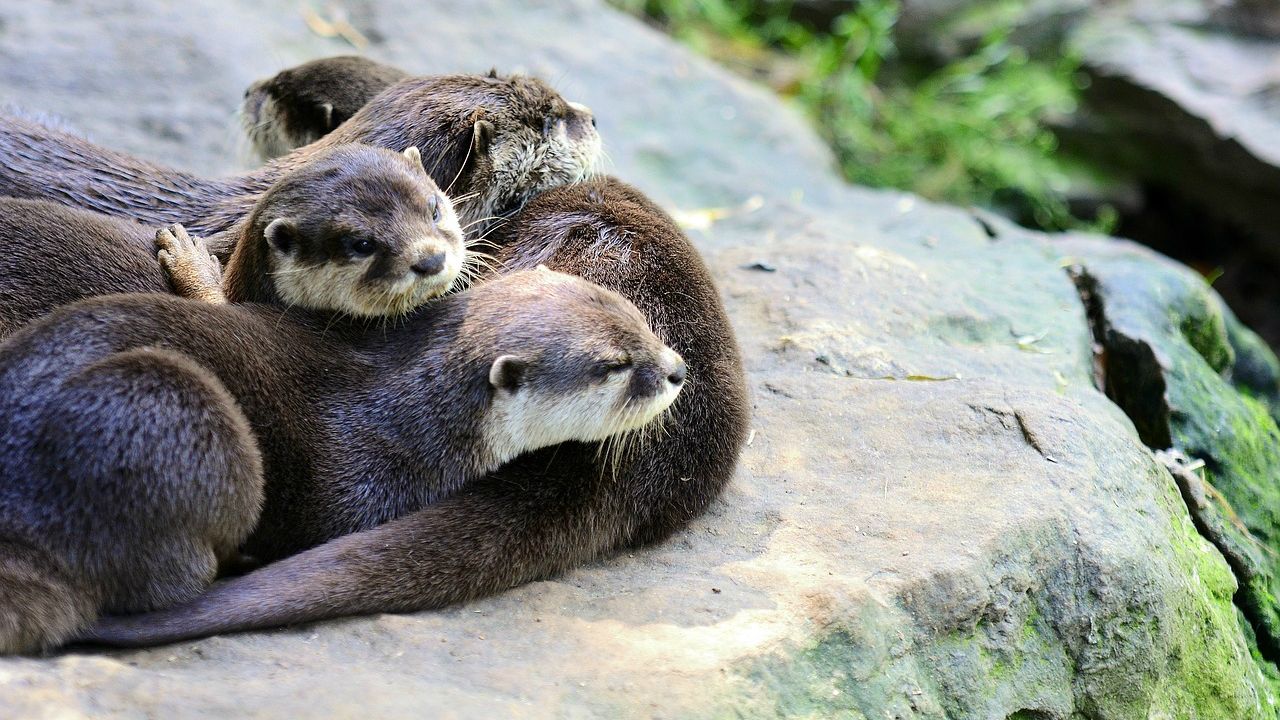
x=461, y=166
x=477, y=221
x=465, y=197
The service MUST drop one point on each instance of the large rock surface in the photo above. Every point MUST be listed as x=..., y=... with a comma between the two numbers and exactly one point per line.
x=1190, y=91
x=938, y=515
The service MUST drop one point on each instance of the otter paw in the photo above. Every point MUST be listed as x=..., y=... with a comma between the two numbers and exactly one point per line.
x=193, y=271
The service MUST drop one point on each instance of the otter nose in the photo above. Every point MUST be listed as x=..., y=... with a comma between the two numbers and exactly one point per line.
x=677, y=376
x=584, y=111
x=430, y=265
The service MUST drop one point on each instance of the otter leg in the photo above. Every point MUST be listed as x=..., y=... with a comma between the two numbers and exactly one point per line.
x=193, y=271
x=42, y=605
x=154, y=473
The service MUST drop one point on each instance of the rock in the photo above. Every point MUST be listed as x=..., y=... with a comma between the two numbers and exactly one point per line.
x=938, y=515
x=1182, y=100
x=1186, y=103
x=1171, y=352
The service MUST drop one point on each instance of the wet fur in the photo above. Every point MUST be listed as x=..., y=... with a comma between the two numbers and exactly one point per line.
x=546, y=511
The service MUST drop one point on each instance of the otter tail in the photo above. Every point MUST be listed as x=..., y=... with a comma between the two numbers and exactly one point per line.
x=40, y=162
x=40, y=606
x=489, y=537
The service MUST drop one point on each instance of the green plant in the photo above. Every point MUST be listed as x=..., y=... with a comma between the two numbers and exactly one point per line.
x=974, y=131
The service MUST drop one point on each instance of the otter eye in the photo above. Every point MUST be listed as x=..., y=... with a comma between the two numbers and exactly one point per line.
x=616, y=365
x=434, y=204
x=362, y=246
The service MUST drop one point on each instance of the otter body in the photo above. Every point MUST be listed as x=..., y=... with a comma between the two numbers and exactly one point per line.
x=545, y=511
x=51, y=255
x=485, y=139
x=134, y=407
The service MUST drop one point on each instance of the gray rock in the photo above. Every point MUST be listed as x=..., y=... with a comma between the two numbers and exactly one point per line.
x=1184, y=94
x=938, y=515
x=1192, y=379
x=1188, y=103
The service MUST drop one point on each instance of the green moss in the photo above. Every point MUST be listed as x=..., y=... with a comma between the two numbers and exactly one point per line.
x=1206, y=682
x=1203, y=327
x=1216, y=383
x=846, y=672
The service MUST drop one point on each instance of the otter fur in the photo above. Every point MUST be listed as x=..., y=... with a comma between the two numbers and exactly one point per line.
x=545, y=511
x=137, y=443
x=357, y=230
x=490, y=142
x=301, y=104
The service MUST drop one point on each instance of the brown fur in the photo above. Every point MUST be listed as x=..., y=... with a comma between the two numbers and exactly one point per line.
x=135, y=410
x=111, y=502
x=51, y=255
x=548, y=510
x=481, y=138
x=298, y=106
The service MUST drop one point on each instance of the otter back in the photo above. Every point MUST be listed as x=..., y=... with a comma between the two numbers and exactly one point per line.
x=51, y=255
x=484, y=139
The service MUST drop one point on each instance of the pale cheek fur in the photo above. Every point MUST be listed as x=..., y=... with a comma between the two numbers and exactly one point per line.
x=266, y=131
x=529, y=421
x=329, y=286
x=539, y=163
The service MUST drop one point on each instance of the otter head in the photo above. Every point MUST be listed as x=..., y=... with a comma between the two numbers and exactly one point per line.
x=537, y=140
x=492, y=142
x=302, y=104
x=573, y=361
x=357, y=230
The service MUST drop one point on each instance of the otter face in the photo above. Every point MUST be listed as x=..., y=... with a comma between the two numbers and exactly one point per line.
x=601, y=373
x=493, y=142
x=539, y=142
x=361, y=231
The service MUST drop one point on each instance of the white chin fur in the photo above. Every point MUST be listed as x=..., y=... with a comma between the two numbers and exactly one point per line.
x=526, y=421
x=334, y=286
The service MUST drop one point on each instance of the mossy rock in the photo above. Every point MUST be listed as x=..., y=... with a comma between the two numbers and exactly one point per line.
x=1192, y=378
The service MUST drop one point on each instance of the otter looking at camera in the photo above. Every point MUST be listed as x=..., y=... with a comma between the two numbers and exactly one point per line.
x=357, y=230
x=545, y=511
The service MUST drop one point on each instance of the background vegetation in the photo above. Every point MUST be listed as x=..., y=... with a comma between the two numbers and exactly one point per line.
x=975, y=130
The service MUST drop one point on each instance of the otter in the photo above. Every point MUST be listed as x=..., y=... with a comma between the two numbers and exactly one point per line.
x=301, y=104
x=137, y=444
x=357, y=230
x=491, y=142
x=545, y=511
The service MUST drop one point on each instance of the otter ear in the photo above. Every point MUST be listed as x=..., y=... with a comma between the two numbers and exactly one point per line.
x=327, y=110
x=414, y=156
x=506, y=373
x=481, y=136
x=493, y=72
x=281, y=234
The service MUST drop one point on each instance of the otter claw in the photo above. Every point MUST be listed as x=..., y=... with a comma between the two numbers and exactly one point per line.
x=192, y=270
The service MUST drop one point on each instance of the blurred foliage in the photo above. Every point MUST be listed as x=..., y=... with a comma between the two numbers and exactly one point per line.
x=973, y=131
